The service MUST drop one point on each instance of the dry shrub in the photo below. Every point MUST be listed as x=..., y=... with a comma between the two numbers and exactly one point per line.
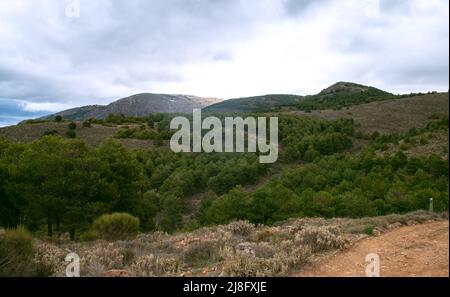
x=100, y=258
x=241, y=228
x=151, y=265
x=270, y=234
x=151, y=237
x=260, y=250
x=49, y=259
x=243, y=266
x=320, y=239
x=279, y=265
x=202, y=253
x=264, y=235
x=421, y=216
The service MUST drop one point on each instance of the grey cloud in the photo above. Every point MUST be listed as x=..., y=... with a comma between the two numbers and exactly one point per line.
x=119, y=47
x=297, y=7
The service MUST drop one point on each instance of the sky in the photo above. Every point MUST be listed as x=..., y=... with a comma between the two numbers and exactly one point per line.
x=58, y=54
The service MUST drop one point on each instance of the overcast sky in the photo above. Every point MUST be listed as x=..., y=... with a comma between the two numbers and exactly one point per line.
x=51, y=59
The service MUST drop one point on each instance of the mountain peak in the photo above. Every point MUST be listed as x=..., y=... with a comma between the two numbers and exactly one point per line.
x=343, y=87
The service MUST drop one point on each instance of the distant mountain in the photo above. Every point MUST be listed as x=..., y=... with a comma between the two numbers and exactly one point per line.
x=340, y=93
x=138, y=105
x=343, y=94
x=343, y=87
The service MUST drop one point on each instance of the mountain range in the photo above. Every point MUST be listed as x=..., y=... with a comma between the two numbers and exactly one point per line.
x=148, y=103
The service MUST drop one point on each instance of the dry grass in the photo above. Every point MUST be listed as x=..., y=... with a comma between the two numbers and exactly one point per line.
x=392, y=116
x=236, y=249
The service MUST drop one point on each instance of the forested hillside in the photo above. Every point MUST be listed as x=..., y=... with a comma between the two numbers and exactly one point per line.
x=56, y=185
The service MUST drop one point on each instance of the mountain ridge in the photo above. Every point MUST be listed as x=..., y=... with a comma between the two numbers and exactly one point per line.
x=278, y=101
x=147, y=103
x=138, y=105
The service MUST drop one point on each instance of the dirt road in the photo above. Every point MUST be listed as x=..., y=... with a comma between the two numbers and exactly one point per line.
x=418, y=250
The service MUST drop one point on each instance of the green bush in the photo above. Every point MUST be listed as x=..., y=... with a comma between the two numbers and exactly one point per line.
x=86, y=124
x=58, y=118
x=50, y=132
x=369, y=230
x=90, y=235
x=116, y=226
x=71, y=134
x=423, y=141
x=16, y=253
x=72, y=126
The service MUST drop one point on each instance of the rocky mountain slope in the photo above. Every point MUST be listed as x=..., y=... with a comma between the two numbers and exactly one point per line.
x=138, y=105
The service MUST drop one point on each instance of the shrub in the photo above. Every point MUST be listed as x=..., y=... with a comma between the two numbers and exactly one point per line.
x=368, y=230
x=90, y=235
x=50, y=132
x=281, y=264
x=71, y=134
x=16, y=253
x=49, y=259
x=244, y=266
x=72, y=126
x=116, y=226
x=202, y=253
x=423, y=141
x=320, y=238
x=100, y=258
x=151, y=265
x=242, y=228
x=86, y=124
x=404, y=147
x=58, y=118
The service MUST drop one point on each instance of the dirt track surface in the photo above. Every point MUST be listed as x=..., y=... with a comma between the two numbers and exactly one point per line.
x=419, y=250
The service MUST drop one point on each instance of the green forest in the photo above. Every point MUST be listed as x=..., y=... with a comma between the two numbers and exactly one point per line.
x=55, y=185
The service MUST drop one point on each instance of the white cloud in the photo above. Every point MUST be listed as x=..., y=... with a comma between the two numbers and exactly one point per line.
x=44, y=106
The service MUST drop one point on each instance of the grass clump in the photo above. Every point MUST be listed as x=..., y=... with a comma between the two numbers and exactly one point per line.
x=16, y=253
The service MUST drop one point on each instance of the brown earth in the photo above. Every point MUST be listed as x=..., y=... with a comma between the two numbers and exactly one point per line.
x=418, y=250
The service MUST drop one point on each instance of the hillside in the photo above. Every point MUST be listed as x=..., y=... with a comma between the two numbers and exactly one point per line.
x=389, y=116
x=256, y=103
x=138, y=105
x=340, y=94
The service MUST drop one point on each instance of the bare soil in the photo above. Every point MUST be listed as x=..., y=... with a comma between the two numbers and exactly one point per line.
x=418, y=250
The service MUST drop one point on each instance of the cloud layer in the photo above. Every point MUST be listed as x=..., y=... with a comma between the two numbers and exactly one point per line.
x=220, y=48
